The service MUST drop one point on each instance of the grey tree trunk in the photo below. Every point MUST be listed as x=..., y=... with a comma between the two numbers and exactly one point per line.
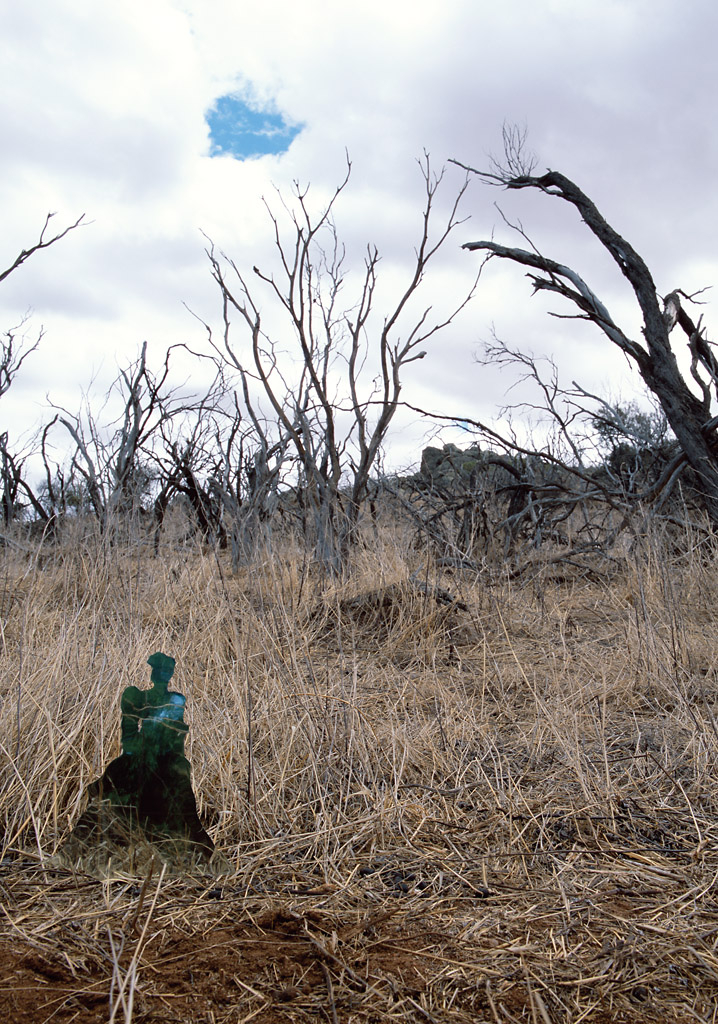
x=688, y=415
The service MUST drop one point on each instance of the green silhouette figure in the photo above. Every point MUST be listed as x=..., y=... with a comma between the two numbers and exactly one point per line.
x=151, y=779
x=153, y=720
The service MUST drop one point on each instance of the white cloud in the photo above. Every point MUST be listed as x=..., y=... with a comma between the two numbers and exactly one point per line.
x=102, y=110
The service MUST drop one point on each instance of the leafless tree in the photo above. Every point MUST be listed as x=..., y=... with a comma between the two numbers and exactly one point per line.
x=333, y=419
x=190, y=454
x=17, y=494
x=576, y=474
x=15, y=347
x=114, y=466
x=689, y=414
x=14, y=344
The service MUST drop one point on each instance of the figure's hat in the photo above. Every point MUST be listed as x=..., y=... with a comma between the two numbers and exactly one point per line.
x=161, y=661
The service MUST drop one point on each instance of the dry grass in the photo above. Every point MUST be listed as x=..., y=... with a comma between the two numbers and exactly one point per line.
x=500, y=812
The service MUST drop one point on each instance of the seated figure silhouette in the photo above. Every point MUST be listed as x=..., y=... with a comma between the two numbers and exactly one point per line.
x=151, y=779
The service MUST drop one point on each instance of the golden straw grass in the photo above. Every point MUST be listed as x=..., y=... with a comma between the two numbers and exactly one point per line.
x=497, y=809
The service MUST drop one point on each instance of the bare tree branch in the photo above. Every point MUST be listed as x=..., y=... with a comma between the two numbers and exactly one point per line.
x=335, y=423
x=42, y=243
x=655, y=360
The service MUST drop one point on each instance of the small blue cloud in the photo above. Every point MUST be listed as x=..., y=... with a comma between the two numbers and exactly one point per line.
x=236, y=129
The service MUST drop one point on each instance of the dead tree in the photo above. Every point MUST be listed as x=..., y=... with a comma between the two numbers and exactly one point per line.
x=14, y=344
x=14, y=486
x=188, y=462
x=689, y=415
x=114, y=465
x=15, y=347
x=335, y=394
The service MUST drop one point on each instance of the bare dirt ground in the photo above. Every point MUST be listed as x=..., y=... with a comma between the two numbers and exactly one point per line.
x=388, y=946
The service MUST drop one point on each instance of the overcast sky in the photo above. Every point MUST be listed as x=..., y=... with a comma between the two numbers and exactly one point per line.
x=130, y=113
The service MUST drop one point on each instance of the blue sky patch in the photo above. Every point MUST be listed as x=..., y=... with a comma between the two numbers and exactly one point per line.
x=236, y=129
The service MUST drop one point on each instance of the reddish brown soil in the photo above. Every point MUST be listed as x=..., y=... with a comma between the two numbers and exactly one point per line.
x=282, y=966
x=272, y=970
x=386, y=942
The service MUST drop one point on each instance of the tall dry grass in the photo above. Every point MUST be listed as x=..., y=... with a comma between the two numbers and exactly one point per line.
x=549, y=744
